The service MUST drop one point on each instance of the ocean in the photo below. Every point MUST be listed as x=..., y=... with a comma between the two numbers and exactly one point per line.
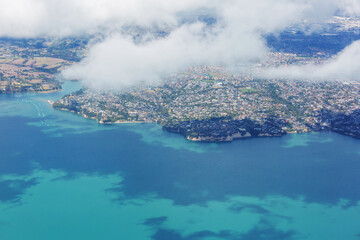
x=66, y=177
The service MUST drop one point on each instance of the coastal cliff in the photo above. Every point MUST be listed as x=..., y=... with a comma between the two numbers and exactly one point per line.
x=226, y=129
x=346, y=124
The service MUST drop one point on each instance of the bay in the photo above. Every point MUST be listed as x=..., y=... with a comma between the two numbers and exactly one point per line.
x=66, y=177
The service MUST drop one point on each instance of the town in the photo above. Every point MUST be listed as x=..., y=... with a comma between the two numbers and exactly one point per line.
x=31, y=65
x=211, y=95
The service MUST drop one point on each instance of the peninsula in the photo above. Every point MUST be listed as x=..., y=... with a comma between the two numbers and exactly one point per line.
x=207, y=104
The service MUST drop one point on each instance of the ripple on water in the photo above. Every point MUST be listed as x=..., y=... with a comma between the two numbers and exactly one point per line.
x=38, y=110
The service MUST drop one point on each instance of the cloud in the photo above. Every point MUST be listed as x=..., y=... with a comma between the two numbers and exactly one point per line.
x=61, y=18
x=119, y=62
x=344, y=66
x=351, y=7
x=234, y=40
x=33, y=18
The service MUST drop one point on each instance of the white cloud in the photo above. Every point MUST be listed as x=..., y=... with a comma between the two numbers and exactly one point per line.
x=59, y=18
x=119, y=62
x=31, y=18
x=235, y=40
x=351, y=7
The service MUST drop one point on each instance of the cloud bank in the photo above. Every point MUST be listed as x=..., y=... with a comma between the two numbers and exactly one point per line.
x=343, y=67
x=233, y=40
x=64, y=18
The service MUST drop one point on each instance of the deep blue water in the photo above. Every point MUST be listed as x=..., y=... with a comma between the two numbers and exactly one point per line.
x=310, y=44
x=65, y=177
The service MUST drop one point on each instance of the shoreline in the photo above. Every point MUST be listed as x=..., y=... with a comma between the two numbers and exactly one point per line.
x=24, y=92
x=208, y=139
x=49, y=91
x=93, y=118
x=123, y=122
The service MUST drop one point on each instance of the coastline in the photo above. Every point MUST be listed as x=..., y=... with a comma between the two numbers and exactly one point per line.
x=94, y=118
x=48, y=91
x=126, y=122
x=119, y=122
x=23, y=92
x=227, y=138
x=208, y=138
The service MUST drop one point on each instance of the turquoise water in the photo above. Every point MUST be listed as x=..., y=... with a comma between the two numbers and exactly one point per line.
x=66, y=177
